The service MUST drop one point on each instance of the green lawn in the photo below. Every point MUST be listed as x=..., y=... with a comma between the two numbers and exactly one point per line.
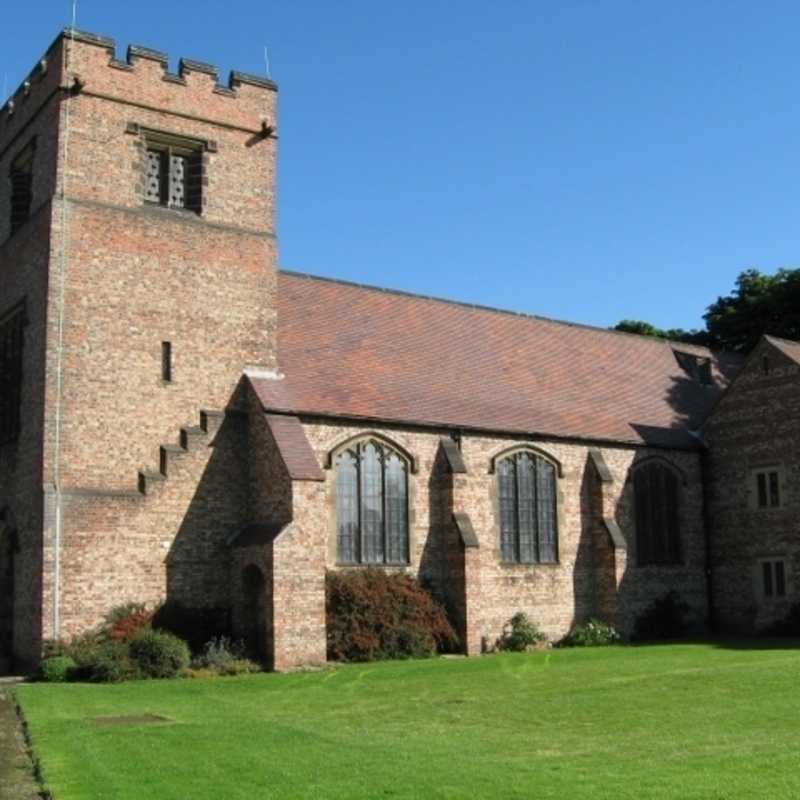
x=678, y=721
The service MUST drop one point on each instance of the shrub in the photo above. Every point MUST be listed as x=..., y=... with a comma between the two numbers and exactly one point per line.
x=218, y=653
x=373, y=615
x=519, y=634
x=195, y=626
x=158, y=654
x=593, y=633
x=788, y=626
x=240, y=666
x=124, y=623
x=111, y=663
x=665, y=618
x=57, y=669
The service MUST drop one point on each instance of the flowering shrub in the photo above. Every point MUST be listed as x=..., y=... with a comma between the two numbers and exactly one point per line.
x=593, y=633
x=520, y=634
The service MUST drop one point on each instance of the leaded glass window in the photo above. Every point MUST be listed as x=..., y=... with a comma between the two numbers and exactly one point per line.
x=371, y=504
x=528, y=520
x=656, y=499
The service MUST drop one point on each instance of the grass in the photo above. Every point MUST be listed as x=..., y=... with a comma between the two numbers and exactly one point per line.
x=710, y=721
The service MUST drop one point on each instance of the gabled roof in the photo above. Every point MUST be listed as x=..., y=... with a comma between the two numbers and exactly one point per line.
x=788, y=347
x=354, y=351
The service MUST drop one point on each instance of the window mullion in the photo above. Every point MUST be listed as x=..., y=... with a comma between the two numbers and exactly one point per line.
x=359, y=495
x=537, y=551
x=384, y=526
x=517, y=514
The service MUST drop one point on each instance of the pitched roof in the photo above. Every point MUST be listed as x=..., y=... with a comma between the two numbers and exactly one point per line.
x=788, y=347
x=353, y=351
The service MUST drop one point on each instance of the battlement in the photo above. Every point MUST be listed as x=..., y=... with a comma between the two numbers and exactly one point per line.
x=92, y=66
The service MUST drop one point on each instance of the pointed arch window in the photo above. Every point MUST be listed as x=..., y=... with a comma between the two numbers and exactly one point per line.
x=656, y=490
x=371, y=504
x=528, y=519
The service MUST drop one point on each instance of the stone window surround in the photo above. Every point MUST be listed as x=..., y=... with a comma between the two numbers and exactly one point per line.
x=752, y=486
x=147, y=137
x=494, y=501
x=629, y=498
x=758, y=579
x=331, y=494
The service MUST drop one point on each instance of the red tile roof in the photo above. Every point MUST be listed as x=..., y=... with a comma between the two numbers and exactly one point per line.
x=294, y=447
x=359, y=352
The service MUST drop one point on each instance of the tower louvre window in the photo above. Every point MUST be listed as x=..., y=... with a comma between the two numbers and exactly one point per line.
x=21, y=178
x=173, y=173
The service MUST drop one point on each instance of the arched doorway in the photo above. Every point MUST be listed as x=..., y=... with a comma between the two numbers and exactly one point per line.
x=255, y=611
x=8, y=548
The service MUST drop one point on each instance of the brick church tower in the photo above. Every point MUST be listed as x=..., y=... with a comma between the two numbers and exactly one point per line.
x=137, y=284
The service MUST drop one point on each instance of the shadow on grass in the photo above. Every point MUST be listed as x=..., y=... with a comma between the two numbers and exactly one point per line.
x=724, y=642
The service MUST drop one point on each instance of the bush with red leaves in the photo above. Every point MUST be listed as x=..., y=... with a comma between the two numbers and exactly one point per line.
x=374, y=615
x=124, y=623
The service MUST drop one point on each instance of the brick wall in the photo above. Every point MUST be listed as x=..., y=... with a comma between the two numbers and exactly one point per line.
x=557, y=595
x=32, y=114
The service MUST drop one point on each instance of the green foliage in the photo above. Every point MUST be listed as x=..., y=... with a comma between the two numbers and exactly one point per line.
x=673, y=334
x=106, y=654
x=593, y=633
x=664, y=618
x=788, y=626
x=196, y=626
x=159, y=654
x=665, y=722
x=110, y=662
x=222, y=656
x=57, y=669
x=372, y=614
x=125, y=622
x=519, y=634
x=758, y=304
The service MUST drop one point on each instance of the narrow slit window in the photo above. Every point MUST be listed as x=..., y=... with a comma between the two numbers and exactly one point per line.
x=768, y=488
x=773, y=578
x=768, y=586
x=166, y=362
x=780, y=579
x=11, y=343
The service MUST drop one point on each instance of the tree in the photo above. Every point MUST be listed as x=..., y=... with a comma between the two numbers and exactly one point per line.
x=758, y=304
x=673, y=334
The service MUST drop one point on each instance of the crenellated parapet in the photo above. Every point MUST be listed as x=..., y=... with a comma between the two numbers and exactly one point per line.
x=82, y=62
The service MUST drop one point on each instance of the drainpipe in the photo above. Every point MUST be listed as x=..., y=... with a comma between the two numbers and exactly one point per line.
x=63, y=266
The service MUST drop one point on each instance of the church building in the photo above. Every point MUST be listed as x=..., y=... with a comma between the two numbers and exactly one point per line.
x=182, y=420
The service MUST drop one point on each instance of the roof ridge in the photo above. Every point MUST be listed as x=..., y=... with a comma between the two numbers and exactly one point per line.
x=769, y=336
x=493, y=309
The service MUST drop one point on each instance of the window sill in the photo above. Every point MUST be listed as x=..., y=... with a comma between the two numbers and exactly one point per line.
x=530, y=563
x=377, y=564
x=183, y=212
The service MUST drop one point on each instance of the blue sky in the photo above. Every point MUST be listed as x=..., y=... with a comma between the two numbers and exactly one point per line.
x=581, y=160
